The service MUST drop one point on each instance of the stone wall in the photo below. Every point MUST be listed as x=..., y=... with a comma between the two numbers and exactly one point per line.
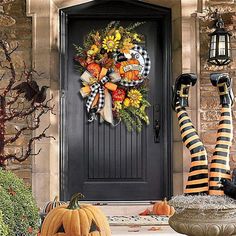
x=16, y=27
x=209, y=105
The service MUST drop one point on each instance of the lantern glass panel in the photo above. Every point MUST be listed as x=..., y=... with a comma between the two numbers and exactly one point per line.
x=213, y=46
x=229, y=49
x=212, y=53
x=222, y=45
x=213, y=39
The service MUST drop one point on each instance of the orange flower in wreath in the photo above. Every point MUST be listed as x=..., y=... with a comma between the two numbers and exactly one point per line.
x=118, y=95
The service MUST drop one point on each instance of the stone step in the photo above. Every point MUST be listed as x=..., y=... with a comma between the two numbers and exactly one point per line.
x=123, y=208
x=143, y=231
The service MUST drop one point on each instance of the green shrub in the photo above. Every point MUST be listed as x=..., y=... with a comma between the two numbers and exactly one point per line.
x=8, y=209
x=26, y=217
x=3, y=227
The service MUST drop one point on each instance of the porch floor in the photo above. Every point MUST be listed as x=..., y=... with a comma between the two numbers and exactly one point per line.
x=143, y=230
x=128, y=209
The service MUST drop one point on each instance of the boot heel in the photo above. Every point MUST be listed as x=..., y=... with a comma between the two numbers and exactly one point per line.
x=224, y=84
x=181, y=89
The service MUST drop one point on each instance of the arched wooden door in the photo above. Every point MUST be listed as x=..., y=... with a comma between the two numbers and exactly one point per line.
x=105, y=162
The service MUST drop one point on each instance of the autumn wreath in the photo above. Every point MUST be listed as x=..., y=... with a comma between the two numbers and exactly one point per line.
x=114, y=75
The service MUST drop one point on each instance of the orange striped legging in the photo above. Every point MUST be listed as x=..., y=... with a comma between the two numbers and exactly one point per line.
x=198, y=174
x=219, y=167
x=198, y=182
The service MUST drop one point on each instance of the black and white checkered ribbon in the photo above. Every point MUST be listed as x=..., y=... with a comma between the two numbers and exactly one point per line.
x=130, y=83
x=97, y=87
x=147, y=61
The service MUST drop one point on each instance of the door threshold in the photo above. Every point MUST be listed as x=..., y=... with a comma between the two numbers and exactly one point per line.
x=122, y=208
x=119, y=203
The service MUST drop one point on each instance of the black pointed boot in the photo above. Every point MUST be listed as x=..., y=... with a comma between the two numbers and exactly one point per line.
x=224, y=84
x=181, y=89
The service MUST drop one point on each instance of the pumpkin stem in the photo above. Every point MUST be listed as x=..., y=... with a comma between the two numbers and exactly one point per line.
x=56, y=199
x=74, y=202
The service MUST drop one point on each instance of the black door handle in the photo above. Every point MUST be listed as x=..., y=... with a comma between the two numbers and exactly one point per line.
x=157, y=127
x=156, y=123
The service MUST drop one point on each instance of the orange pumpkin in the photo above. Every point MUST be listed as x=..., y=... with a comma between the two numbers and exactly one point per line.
x=126, y=70
x=51, y=205
x=163, y=208
x=94, y=69
x=75, y=219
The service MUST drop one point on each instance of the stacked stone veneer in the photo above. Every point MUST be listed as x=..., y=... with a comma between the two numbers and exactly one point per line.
x=19, y=32
x=209, y=98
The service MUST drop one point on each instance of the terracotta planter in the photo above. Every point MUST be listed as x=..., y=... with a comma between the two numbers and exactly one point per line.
x=199, y=222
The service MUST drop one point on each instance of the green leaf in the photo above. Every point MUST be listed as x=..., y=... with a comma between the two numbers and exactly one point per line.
x=134, y=25
x=78, y=49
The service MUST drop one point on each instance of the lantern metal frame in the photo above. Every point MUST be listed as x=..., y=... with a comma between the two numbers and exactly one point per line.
x=220, y=50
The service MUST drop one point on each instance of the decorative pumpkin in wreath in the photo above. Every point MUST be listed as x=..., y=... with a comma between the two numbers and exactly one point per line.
x=75, y=219
x=130, y=69
x=94, y=69
x=163, y=208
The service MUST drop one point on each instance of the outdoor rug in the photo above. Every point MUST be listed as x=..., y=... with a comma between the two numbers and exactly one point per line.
x=138, y=220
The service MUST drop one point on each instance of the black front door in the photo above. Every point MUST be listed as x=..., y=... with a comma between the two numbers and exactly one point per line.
x=105, y=162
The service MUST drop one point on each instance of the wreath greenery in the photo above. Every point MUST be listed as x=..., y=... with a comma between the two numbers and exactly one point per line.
x=114, y=72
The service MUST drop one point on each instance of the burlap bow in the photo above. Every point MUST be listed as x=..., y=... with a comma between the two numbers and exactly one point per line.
x=96, y=90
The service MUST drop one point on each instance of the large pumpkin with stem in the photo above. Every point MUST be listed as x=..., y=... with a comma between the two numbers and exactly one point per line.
x=75, y=219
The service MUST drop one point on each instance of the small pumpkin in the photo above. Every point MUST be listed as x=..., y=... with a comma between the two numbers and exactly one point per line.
x=51, y=205
x=76, y=219
x=127, y=70
x=163, y=208
x=94, y=69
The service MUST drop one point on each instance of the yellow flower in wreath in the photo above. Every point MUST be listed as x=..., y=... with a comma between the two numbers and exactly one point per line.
x=110, y=44
x=93, y=50
x=136, y=37
x=117, y=105
x=135, y=97
x=127, y=45
x=127, y=102
x=118, y=35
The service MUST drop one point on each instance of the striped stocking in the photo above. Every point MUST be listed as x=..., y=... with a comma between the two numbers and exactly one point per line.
x=219, y=167
x=198, y=174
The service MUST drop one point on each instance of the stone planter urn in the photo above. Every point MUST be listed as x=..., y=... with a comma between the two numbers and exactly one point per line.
x=204, y=218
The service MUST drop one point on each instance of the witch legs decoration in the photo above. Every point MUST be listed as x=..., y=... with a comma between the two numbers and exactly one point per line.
x=219, y=167
x=198, y=180
x=198, y=173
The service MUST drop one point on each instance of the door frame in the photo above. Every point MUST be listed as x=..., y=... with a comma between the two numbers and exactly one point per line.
x=86, y=11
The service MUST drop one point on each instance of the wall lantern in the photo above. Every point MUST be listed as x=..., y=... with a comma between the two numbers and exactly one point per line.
x=220, y=51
